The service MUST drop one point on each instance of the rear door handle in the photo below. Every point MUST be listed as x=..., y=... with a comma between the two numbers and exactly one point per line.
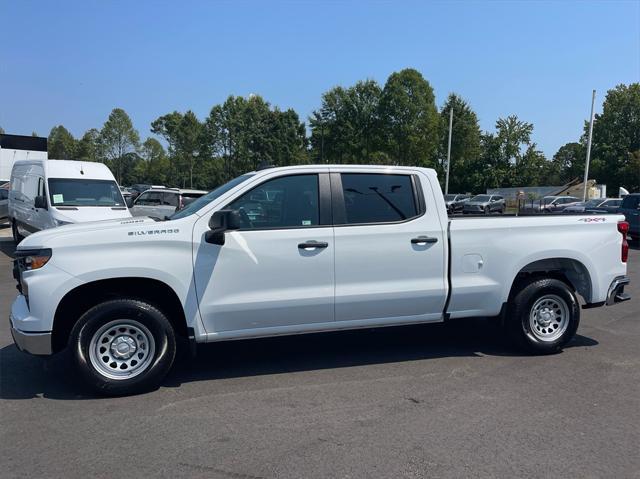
x=423, y=240
x=313, y=244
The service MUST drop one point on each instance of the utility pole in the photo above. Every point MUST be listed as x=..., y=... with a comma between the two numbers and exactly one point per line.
x=446, y=182
x=586, y=165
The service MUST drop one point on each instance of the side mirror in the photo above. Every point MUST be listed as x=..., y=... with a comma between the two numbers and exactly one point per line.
x=40, y=202
x=220, y=222
x=129, y=201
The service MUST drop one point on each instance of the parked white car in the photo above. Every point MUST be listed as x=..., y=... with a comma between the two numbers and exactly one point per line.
x=162, y=202
x=49, y=193
x=298, y=250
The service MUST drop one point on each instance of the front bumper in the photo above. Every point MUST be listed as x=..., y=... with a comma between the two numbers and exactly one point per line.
x=34, y=342
x=616, y=292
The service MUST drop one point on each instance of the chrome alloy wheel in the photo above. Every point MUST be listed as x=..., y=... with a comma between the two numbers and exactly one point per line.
x=121, y=349
x=549, y=318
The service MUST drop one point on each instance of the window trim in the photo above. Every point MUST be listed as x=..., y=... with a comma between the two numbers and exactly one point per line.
x=324, y=203
x=339, y=206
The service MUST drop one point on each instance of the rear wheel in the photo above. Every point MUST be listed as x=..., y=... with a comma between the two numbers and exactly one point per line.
x=123, y=347
x=543, y=316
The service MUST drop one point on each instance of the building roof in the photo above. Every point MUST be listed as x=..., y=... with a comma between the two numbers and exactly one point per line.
x=23, y=142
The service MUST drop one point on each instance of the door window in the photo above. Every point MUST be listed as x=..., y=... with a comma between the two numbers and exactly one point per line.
x=4, y=194
x=170, y=199
x=149, y=199
x=286, y=202
x=378, y=198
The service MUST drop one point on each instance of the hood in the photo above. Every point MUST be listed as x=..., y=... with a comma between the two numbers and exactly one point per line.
x=44, y=237
x=83, y=214
x=476, y=203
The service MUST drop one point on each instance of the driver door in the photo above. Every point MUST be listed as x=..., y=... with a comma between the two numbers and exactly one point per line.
x=277, y=270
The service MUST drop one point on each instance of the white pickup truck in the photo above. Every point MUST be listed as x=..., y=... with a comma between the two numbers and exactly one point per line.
x=298, y=250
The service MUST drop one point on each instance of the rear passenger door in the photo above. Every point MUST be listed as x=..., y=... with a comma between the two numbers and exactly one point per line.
x=389, y=248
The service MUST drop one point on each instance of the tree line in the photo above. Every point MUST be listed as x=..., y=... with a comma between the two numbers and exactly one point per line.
x=397, y=123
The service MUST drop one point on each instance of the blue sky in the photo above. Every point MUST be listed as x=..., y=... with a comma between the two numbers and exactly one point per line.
x=70, y=62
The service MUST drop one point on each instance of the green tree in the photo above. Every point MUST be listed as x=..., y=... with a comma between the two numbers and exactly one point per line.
x=119, y=139
x=616, y=139
x=61, y=145
x=1, y=130
x=33, y=133
x=409, y=119
x=89, y=147
x=166, y=126
x=568, y=163
x=465, y=143
x=346, y=127
x=246, y=132
x=188, y=145
x=155, y=167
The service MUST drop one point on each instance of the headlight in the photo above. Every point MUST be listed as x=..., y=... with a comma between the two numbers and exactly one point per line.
x=31, y=259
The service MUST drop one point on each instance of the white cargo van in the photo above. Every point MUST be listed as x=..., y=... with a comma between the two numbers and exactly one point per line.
x=49, y=193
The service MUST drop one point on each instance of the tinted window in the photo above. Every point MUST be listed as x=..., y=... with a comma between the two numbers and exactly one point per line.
x=375, y=198
x=4, y=194
x=481, y=198
x=66, y=192
x=290, y=201
x=150, y=198
x=631, y=202
x=170, y=199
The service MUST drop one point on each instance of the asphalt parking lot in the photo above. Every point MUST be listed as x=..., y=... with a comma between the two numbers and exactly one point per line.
x=423, y=401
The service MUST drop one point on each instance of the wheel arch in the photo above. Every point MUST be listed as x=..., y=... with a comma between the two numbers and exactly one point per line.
x=569, y=270
x=80, y=299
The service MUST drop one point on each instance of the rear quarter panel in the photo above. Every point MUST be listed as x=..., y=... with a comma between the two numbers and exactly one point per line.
x=488, y=253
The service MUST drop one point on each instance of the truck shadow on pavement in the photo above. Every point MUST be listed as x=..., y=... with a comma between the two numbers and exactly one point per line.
x=24, y=377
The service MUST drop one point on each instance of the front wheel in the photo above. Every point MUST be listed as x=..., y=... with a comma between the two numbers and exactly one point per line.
x=123, y=346
x=543, y=316
x=17, y=237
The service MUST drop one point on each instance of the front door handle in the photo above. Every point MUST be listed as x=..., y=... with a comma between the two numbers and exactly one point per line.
x=313, y=244
x=423, y=240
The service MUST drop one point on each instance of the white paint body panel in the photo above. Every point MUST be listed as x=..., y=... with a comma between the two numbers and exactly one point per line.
x=260, y=284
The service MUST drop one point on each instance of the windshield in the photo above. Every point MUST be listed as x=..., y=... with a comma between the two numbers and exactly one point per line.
x=68, y=192
x=209, y=197
x=481, y=198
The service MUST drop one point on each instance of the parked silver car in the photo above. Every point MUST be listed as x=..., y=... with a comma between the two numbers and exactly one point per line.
x=162, y=202
x=455, y=202
x=485, y=204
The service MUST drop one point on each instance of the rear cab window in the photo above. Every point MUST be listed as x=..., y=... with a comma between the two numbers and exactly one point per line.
x=378, y=198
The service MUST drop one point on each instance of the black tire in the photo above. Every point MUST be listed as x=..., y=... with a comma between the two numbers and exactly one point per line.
x=520, y=324
x=486, y=210
x=17, y=237
x=136, y=313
